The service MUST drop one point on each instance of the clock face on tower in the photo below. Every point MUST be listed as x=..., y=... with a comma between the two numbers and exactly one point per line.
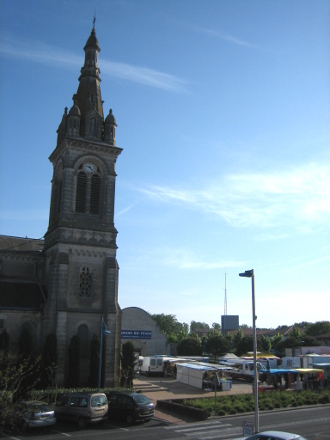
x=89, y=167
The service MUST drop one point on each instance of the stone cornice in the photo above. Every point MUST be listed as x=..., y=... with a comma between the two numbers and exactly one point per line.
x=81, y=237
x=85, y=146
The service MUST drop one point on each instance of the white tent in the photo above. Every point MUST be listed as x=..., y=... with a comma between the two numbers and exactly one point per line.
x=192, y=374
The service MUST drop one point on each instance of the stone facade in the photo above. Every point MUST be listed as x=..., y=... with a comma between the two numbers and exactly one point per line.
x=76, y=267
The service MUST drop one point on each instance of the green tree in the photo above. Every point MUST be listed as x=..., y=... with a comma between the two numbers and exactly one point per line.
x=216, y=326
x=277, y=342
x=318, y=328
x=94, y=362
x=310, y=341
x=25, y=351
x=237, y=337
x=49, y=360
x=216, y=344
x=195, y=326
x=18, y=374
x=190, y=346
x=264, y=344
x=128, y=361
x=74, y=362
x=294, y=339
x=244, y=346
x=168, y=324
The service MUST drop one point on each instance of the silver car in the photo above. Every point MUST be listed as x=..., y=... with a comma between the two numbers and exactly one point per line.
x=273, y=435
x=33, y=414
x=82, y=408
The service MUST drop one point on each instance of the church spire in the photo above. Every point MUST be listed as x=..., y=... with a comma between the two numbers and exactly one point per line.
x=88, y=96
x=86, y=118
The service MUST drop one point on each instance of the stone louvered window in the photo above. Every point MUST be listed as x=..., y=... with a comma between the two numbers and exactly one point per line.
x=85, y=282
x=94, y=207
x=81, y=192
x=88, y=190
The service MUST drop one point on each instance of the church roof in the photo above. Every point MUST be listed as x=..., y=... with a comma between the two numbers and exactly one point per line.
x=9, y=243
x=21, y=294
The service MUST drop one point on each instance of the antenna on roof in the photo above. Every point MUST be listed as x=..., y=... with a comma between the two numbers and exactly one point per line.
x=225, y=305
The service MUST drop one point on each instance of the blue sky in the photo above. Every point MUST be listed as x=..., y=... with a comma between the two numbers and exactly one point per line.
x=223, y=116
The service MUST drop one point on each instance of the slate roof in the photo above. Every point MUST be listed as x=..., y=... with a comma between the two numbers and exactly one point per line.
x=9, y=243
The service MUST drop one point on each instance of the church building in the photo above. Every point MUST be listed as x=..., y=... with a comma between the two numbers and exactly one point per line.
x=67, y=283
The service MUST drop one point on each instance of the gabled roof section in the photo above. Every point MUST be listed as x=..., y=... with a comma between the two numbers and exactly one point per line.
x=9, y=243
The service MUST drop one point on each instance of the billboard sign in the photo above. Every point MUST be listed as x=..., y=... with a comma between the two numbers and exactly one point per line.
x=135, y=334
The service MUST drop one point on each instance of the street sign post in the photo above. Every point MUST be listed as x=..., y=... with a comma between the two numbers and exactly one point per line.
x=247, y=428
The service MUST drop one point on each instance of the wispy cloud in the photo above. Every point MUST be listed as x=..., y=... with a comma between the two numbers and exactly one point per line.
x=36, y=51
x=298, y=197
x=126, y=209
x=226, y=37
x=185, y=259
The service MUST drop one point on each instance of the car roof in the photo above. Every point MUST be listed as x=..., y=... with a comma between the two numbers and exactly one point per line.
x=282, y=435
x=127, y=393
x=82, y=393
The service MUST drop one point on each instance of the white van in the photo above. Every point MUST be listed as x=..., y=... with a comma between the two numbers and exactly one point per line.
x=152, y=365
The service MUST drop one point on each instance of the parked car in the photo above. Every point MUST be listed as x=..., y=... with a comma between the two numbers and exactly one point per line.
x=30, y=414
x=82, y=408
x=131, y=407
x=273, y=435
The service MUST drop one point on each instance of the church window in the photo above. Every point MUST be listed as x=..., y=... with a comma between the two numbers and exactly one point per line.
x=85, y=282
x=92, y=127
x=81, y=192
x=88, y=189
x=95, y=194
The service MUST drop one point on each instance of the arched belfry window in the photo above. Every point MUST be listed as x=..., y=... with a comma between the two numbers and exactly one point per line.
x=92, y=127
x=95, y=194
x=88, y=189
x=81, y=192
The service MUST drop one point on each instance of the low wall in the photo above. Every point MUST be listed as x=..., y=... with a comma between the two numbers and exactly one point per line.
x=176, y=406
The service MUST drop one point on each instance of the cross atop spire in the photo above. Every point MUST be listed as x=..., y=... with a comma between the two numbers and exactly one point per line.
x=94, y=20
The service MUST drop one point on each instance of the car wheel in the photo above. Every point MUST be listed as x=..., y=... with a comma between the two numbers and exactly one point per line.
x=81, y=423
x=129, y=419
x=24, y=426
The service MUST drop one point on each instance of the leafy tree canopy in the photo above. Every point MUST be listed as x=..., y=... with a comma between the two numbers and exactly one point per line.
x=264, y=344
x=169, y=325
x=217, y=344
x=318, y=328
x=191, y=346
x=195, y=326
x=128, y=361
x=18, y=375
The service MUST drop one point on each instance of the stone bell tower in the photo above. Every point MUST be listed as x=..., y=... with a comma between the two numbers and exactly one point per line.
x=80, y=243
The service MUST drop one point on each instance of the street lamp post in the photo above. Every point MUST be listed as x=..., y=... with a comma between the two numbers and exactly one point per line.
x=103, y=331
x=250, y=274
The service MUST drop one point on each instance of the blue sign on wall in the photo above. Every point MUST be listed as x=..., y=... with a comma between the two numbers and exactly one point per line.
x=135, y=334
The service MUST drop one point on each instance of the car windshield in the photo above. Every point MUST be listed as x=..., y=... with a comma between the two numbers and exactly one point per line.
x=99, y=401
x=141, y=399
x=39, y=407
